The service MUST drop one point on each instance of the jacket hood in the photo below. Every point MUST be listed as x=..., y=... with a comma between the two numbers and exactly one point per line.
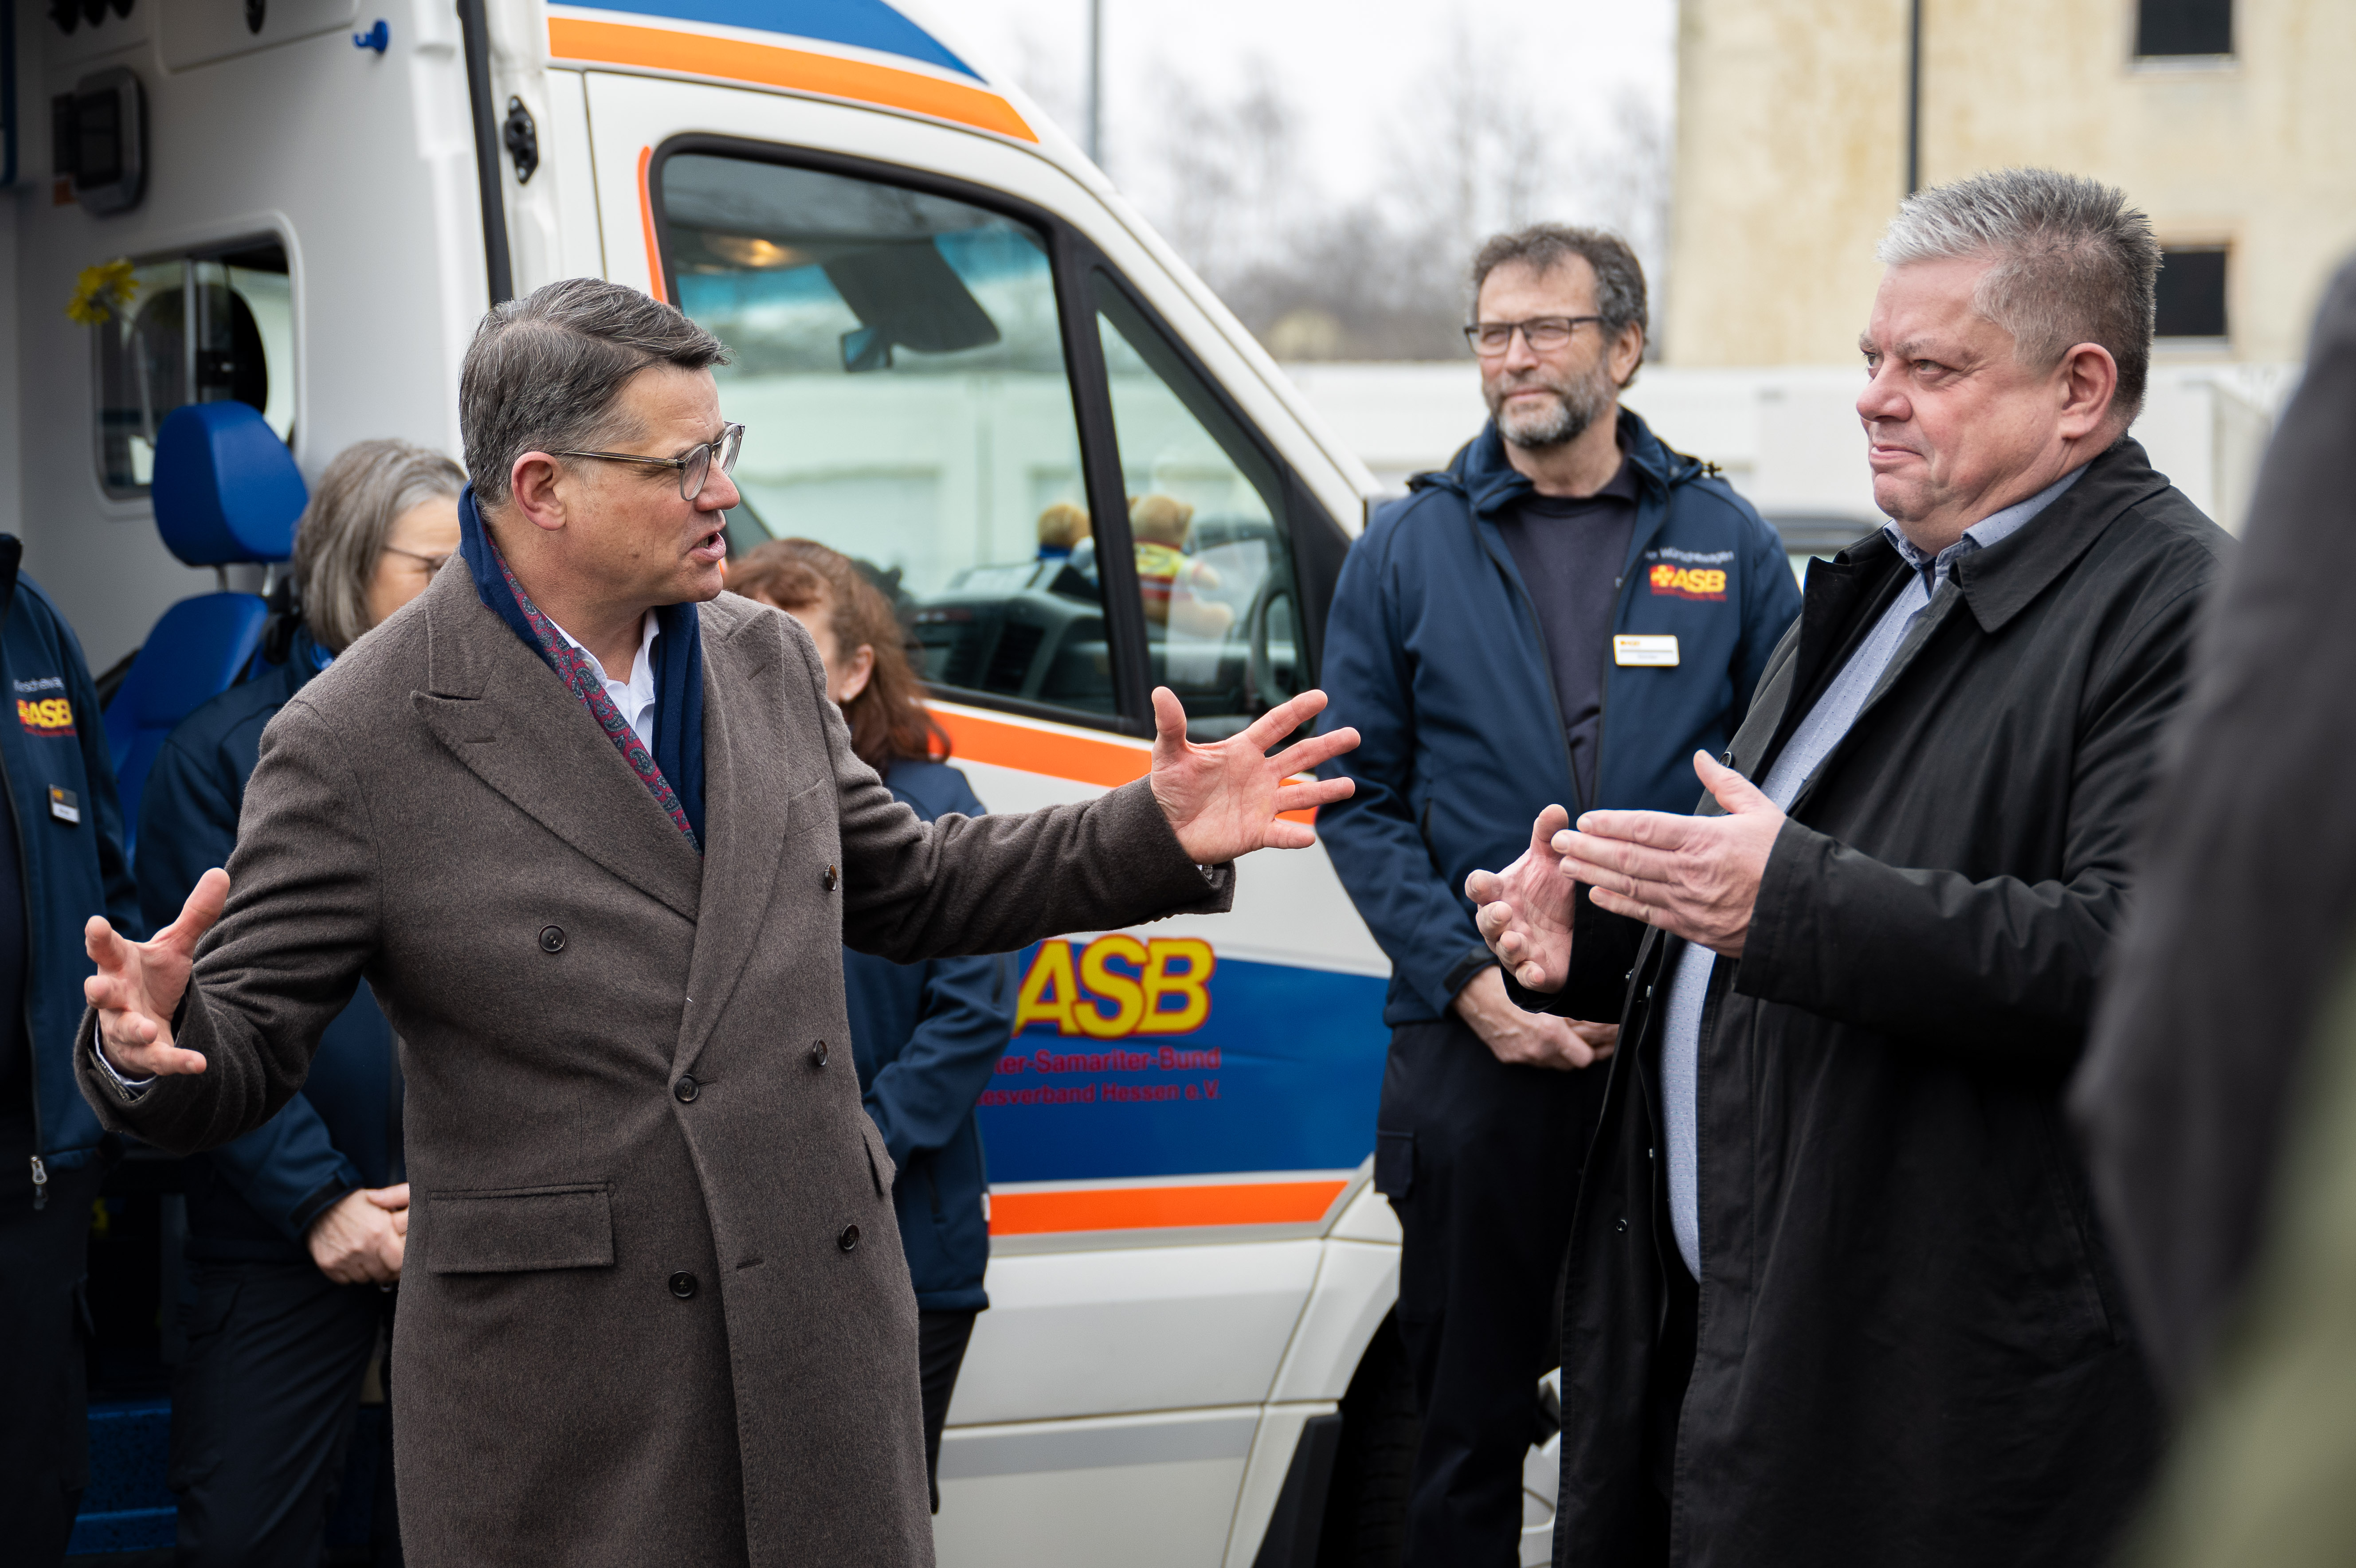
x=1481, y=475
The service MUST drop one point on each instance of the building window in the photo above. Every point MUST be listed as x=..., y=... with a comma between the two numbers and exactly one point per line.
x=2166, y=27
x=2192, y=293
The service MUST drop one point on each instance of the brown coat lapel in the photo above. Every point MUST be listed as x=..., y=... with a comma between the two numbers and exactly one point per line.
x=506, y=716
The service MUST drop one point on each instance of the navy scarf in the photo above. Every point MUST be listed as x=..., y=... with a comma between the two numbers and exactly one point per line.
x=677, y=660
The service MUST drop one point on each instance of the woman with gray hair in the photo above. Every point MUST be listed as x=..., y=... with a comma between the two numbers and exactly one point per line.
x=382, y=523
x=295, y=1231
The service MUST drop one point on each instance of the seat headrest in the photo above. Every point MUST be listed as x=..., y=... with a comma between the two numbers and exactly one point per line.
x=225, y=487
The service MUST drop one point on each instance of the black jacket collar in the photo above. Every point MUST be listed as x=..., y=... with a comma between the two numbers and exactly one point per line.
x=2000, y=582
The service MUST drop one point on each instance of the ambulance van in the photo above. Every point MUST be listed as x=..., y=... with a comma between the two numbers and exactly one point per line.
x=951, y=339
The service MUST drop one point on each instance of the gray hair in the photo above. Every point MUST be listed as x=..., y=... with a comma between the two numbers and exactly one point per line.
x=546, y=371
x=2073, y=263
x=341, y=535
x=1543, y=247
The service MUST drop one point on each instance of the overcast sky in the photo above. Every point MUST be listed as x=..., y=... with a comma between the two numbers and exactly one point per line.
x=1345, y=67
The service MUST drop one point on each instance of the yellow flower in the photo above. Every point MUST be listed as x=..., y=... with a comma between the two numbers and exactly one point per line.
x=101, y=291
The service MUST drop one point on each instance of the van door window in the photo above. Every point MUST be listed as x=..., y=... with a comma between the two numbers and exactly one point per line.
x=1206, y=510
x=196, y=330
x=899, y=369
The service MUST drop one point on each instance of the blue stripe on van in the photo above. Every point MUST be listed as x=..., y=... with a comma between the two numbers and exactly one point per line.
x=862, y=23
x=1297, y=1072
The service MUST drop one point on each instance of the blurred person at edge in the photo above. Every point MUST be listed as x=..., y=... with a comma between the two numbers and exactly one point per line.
x=295, y=1231
x=924, y=1036
x=1836, y=1294
x=1566, y=565
x=2218, y=1098
x=60, y=861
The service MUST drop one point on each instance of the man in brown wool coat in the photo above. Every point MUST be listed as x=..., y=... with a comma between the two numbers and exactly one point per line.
x=655, y=1307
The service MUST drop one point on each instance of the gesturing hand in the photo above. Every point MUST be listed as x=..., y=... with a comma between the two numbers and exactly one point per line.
x=1695, y=877
x=1223, y=800
x=138, y=985
x=1524, y=911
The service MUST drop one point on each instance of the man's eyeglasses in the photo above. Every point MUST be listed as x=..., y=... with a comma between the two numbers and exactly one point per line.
x=1491, y=338
x=694, y=469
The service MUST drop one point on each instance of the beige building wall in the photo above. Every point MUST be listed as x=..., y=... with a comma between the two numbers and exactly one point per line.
x=1791, y=149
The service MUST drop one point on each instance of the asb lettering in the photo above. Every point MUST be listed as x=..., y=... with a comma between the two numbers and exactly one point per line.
x=1121, y=987
x=50, y=716
x=1688, y=582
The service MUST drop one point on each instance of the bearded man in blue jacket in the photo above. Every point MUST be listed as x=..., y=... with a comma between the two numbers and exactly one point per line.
x=1563, y=616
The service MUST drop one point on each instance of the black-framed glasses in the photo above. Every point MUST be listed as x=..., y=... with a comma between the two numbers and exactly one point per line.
x=694, y=469
x=1543, y=333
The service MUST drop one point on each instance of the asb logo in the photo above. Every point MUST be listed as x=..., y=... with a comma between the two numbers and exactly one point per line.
x=1123, y=987
x=50, y=716
x=1688, y=582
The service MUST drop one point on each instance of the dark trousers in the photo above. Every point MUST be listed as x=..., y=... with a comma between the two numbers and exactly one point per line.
x=941, y=1340
x=1664, y=1400
x=1480, y=1161
x=44, y=1376
x=262, y=1410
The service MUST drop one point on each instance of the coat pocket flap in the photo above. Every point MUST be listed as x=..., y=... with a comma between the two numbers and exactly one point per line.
x=517, y=1230
x=811, y=808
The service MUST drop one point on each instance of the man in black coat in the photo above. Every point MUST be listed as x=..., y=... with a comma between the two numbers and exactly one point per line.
x=1836, y=1293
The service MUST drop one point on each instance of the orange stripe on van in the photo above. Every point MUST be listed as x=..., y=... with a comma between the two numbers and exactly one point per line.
x=1083, y=759
x=647, y=217
x=1080, y=757
x=1161, y=1207
x=798, y=71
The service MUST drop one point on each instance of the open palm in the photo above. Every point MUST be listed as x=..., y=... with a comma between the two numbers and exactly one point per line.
x=139, y=985
x=1525, y=910
x=1224, y=800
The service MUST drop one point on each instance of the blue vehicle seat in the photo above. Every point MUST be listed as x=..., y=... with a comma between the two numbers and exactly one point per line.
x=226, y=491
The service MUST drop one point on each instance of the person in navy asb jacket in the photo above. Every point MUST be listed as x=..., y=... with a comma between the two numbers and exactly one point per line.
x=1564, y=615
x=297, y=1229
x=925, y=1037
x=61, y=862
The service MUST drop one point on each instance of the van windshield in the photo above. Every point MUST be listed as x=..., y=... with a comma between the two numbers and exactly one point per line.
x=899, y=368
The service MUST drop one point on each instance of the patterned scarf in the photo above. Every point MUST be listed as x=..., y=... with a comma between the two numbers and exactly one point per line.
x=677, y=654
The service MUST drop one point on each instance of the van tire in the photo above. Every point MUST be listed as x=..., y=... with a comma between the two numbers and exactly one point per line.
x=1366, y=1507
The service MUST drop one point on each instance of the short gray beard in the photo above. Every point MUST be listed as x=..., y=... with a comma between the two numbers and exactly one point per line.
x=1578, y=404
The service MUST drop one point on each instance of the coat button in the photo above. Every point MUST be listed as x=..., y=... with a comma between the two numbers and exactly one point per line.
x=848, y=1239
x=682, y=1285
x=818, y=1054
x=552, y=939
x=686, y=1089
x=1619, y=1224
x=831, y=881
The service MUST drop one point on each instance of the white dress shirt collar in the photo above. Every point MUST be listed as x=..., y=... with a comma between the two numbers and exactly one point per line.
x=634, y=697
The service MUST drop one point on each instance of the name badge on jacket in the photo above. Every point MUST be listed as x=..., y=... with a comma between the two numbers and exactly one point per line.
x=1658, y=652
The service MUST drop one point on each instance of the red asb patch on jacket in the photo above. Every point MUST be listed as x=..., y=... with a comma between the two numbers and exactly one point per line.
x=50, y=716
x=1688, y=582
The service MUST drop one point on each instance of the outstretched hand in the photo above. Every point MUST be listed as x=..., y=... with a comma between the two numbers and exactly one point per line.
x=1224, y=800
x=1695, y=877
x=1524, y=911
x=139, y=985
